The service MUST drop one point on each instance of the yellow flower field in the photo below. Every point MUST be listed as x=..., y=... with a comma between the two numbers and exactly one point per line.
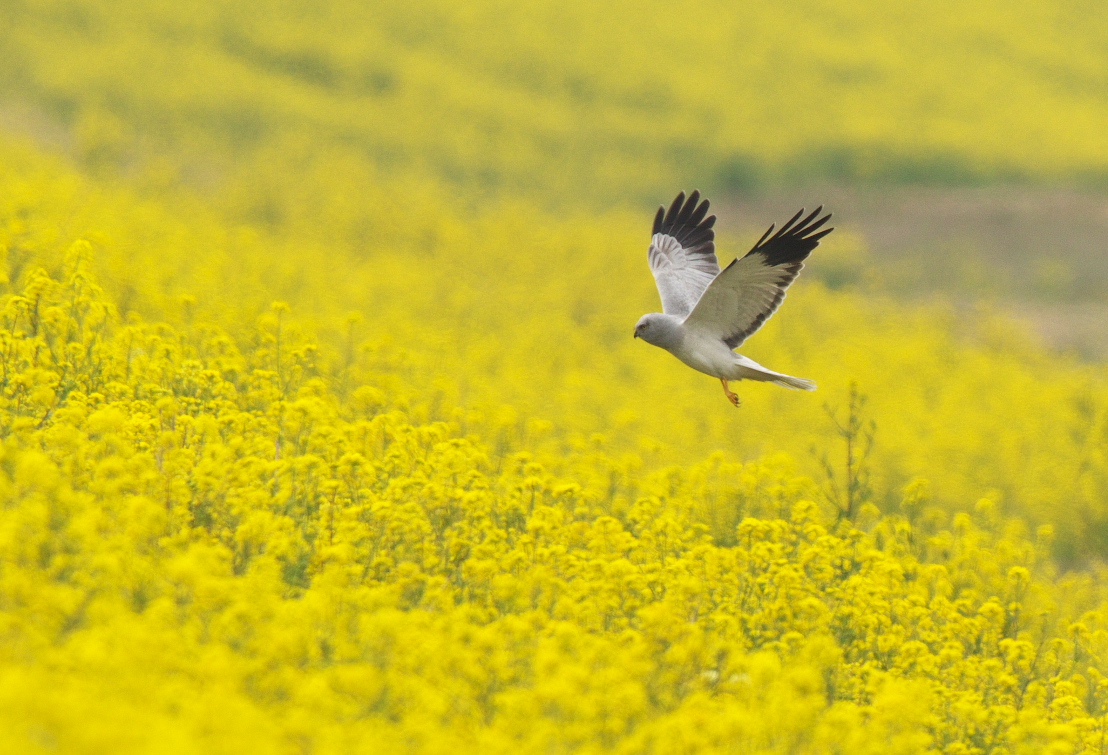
x=322, y=429
x=206, y=549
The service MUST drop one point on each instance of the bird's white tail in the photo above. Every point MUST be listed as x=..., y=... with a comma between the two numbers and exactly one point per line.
x=794, y=382
x=748, y=369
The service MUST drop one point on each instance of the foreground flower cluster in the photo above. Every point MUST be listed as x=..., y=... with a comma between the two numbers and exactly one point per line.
x=203, y=549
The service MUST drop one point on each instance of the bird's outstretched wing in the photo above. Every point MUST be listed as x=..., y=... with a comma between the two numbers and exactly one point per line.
x=682, y=253
x=751, y=288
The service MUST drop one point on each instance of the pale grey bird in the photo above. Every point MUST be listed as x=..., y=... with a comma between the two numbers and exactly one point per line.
x=706, y=314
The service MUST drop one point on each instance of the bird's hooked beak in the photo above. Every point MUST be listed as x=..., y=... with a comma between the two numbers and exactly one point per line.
x=636, y=334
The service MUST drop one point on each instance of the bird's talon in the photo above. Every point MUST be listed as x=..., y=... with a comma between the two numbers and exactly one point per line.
x=731, y=396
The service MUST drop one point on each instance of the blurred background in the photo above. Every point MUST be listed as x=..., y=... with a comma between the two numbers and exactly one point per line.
x=962, y=143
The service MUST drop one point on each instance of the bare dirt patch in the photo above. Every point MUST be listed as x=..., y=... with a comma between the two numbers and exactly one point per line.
x=1041, y=253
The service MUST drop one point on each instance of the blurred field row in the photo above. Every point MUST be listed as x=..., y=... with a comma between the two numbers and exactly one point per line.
x=572, y=102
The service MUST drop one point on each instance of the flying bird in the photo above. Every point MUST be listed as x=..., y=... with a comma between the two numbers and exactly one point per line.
x=706, y=313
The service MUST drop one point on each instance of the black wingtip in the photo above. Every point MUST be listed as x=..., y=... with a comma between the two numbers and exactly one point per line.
x=808, y=219
x=687, y=220
x=795, y=240
x=817, y=236
x=674, y=209
x=809, y=228
x=764, y=235
x=792, y=221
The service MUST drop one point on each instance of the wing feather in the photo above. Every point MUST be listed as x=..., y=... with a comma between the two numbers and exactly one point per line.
x=682, y=253
x=742, y=297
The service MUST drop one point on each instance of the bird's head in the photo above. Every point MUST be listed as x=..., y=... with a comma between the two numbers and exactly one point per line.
x=657, y=329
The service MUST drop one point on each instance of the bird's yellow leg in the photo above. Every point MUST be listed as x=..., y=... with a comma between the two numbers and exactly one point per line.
x=732, y=397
